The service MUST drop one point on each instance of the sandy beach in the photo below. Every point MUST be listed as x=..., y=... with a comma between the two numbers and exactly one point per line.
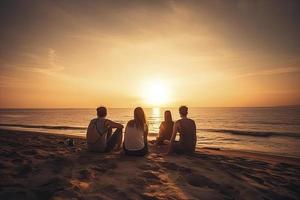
x=42, y=166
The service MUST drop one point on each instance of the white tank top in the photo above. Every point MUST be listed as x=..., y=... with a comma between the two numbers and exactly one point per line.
x=134, y=138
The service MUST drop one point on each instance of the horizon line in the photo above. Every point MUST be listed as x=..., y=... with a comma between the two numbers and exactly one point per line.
x=147, y=107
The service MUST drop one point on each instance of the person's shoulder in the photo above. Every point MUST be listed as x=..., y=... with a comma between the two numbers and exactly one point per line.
x=130, y=123
x=191, y=119
x=177, y=121
x=192, y=122
x=93, y=120
x=108, y=120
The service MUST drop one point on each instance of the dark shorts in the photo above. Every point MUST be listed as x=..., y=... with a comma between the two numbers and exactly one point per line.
x=141, y=152
x=179, y=149
x=113, y=140
x=160, y=140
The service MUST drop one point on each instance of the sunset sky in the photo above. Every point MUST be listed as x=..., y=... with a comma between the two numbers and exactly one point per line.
x=151, y=53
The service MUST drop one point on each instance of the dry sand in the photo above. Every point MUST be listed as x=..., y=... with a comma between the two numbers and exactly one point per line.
x=42, y=166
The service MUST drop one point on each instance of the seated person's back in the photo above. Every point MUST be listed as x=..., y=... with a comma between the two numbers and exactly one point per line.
x=187, y=134
x=165, y=128
x=136, y=132
x=134, y=137
x=99, y=133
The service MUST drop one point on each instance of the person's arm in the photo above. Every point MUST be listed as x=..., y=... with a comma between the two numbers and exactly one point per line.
x=109, y=132
x=146, y=134
x=160, y=133
x=113, y=124
x=161, y=129
x=91, y=124
x=175, y=128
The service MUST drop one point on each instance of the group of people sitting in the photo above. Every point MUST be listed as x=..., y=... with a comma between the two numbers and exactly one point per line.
x=101, y=138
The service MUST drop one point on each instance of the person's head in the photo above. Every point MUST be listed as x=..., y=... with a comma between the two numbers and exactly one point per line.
x=168, y=116
x=183, y=111
x=139, y=118
x=101, y=112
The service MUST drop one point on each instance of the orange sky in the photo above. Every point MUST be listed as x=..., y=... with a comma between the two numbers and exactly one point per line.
x=241, y=53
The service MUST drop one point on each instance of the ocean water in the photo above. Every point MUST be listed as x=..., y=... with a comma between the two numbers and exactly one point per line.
x=267, y=130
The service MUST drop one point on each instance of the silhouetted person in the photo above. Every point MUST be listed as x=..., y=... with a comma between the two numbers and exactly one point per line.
x=136, y=132
x=187, y=134
x=99, y=134
x=165, y=129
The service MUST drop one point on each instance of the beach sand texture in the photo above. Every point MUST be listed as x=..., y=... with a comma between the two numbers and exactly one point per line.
x=42, y=166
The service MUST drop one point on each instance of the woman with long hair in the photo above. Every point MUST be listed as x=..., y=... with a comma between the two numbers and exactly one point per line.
x=165, y=129
x=136, y=132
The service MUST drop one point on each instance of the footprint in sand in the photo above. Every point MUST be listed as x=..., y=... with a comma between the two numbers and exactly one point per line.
x=198, y=180
x=105, y=167
x=113, y=192
x=149, y=166
x=137, y=183
x=169, y=165
x=185, y=170
x=84, y=174
x=174, y=167
x=151, y=177
x=51, y=186
x=60, y=162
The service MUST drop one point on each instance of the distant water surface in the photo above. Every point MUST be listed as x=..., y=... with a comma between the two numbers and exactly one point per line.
x=269, y=130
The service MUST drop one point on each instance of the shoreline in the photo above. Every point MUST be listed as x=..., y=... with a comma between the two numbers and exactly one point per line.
x=42, y=166
x=153, y=135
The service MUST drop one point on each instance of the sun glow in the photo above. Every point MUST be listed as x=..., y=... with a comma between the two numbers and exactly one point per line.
x=156, y=94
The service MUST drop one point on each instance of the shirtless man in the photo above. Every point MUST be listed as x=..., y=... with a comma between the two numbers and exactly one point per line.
x=187, y=134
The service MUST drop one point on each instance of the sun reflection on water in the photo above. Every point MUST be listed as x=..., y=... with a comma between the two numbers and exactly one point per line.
x=155, y=119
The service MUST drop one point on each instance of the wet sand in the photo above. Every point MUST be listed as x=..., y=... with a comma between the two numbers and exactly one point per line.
x=42, y=166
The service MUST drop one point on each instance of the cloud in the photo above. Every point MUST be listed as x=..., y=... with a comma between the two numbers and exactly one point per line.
x=41, y=62
x=46, y=63
x=53, y=66
x=270, y=72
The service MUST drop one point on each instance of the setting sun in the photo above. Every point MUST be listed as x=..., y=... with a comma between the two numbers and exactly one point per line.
x=156, y=93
